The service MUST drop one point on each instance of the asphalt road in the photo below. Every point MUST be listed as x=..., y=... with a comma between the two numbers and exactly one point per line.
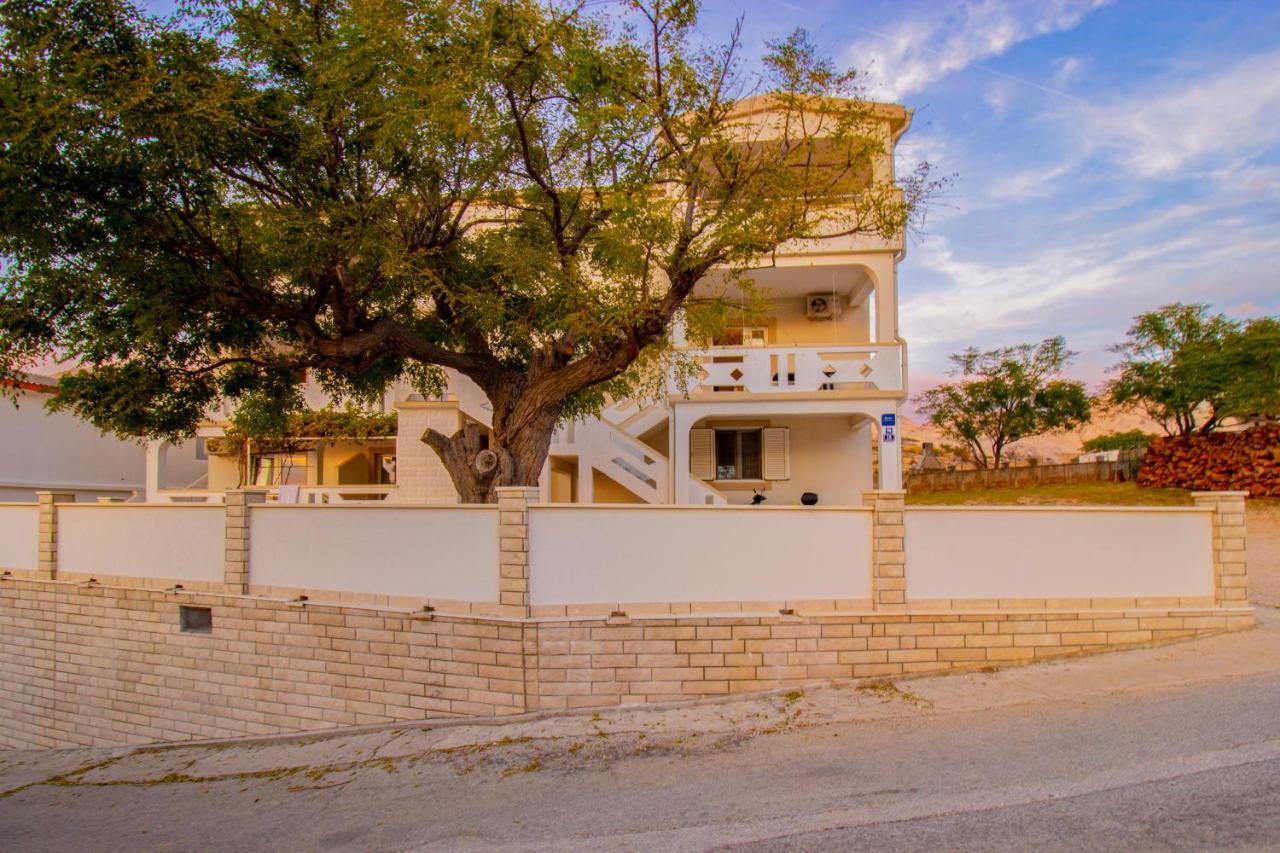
x=1191, y=767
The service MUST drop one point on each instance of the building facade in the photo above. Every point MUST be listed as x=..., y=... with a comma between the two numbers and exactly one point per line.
x=798, y=403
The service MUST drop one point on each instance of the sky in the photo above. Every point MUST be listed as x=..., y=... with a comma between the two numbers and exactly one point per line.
x=1109, y=158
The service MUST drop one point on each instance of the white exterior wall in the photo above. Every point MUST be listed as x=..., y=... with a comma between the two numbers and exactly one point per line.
x=830, y=456
x=59, y=452
x=426, y=552
x=128, y=540
x=19, y=529
x=1035, y=552
x=637, y=554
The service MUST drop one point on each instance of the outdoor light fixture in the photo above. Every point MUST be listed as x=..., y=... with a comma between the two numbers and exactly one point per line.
x=5, y=575
x=177, y=587
x=90, y=582
x=300, y=600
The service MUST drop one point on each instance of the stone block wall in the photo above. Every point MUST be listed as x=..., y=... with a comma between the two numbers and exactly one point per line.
x=95, y=665
x=98, y=665
x=593, y=663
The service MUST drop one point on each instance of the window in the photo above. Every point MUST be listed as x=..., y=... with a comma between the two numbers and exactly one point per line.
x=281, y=469
x=743, y=336
x=738, y=454
x=385, y=465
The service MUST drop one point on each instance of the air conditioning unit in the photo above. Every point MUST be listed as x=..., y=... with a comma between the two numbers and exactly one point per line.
x=822, y=306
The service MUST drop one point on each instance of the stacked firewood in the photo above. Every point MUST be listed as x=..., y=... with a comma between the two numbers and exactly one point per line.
x=1248, y=460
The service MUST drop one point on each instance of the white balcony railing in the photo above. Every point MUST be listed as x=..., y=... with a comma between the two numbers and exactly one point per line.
x=764, y=370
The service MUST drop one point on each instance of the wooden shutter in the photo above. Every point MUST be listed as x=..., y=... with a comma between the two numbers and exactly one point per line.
x=777, y=453
x=702, y=453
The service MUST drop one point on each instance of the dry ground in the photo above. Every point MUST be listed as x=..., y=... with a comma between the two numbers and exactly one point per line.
x=1263, y=522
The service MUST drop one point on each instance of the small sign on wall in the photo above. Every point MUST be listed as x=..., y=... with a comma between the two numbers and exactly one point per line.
x=888, y=428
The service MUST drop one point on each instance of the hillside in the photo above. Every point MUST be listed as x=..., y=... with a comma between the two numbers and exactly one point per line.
x=1053, y=447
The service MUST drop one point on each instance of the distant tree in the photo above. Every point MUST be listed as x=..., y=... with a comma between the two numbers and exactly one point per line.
x=1134, y=439
x=1005, y=395
x=1250, y=364
x=1190, y=370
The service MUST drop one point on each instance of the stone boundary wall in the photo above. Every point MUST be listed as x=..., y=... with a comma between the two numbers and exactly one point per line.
x=98, y=665
x=590, y=663
x=925, y=482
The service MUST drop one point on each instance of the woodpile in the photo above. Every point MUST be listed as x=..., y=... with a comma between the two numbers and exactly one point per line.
x=1221, y=461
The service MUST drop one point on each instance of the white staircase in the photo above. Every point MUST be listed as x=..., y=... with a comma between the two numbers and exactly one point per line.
x=601, y=444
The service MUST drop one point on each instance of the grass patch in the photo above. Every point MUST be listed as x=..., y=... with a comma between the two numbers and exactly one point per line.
x=1079, y=494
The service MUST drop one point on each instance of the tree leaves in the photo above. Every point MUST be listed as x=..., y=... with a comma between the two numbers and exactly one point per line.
x=1190, y=370
x=1005, y=395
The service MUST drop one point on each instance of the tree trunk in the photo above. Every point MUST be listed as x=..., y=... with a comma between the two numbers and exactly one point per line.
x=509, y=457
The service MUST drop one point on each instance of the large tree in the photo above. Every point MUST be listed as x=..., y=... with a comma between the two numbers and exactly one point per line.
x=1005, y=395
x=1190, y=370
x=224, y=203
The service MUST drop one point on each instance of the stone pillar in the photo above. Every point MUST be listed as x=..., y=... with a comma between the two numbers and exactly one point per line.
x=513, y=547
x=421, y=477
x=236, y=567
x=888, y=554
x=47, y=550
x=1230, y=572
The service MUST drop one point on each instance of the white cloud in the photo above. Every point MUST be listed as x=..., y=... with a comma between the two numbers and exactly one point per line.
x=1092, y=284
x=919, y=51
x=1214, y=120
x=1069, y=69
x=998, y=97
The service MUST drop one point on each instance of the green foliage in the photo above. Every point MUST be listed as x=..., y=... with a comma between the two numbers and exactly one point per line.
x=217, y=204
x=1189, y=369
x=1134, y=439
x=1250, y=363
x=1005, y=395
x=298, y=429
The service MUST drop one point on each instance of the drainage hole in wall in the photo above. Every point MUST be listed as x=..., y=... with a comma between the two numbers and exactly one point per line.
x=195, y=620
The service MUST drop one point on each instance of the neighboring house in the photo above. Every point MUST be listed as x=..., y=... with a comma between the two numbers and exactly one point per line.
x=806, y=400
x=57, y=451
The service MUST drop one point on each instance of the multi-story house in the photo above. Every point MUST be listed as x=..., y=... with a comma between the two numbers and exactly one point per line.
x=799, y=402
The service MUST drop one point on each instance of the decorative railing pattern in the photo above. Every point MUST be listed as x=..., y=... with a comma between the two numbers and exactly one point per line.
x=763, y=370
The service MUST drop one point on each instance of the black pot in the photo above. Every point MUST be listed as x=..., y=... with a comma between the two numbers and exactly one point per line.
x=809, y=499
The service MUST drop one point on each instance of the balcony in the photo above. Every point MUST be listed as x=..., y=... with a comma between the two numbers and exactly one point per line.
x=857, y=368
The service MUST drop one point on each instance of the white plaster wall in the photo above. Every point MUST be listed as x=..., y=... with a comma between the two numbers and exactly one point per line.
x=431, y=552
x=44, y=450
x=828, y=456
x=1029, y=552
x=593, y=554
x=143, y=541
x=19, y=536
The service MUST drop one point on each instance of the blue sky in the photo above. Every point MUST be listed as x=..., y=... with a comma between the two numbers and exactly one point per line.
x=1110, y=157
